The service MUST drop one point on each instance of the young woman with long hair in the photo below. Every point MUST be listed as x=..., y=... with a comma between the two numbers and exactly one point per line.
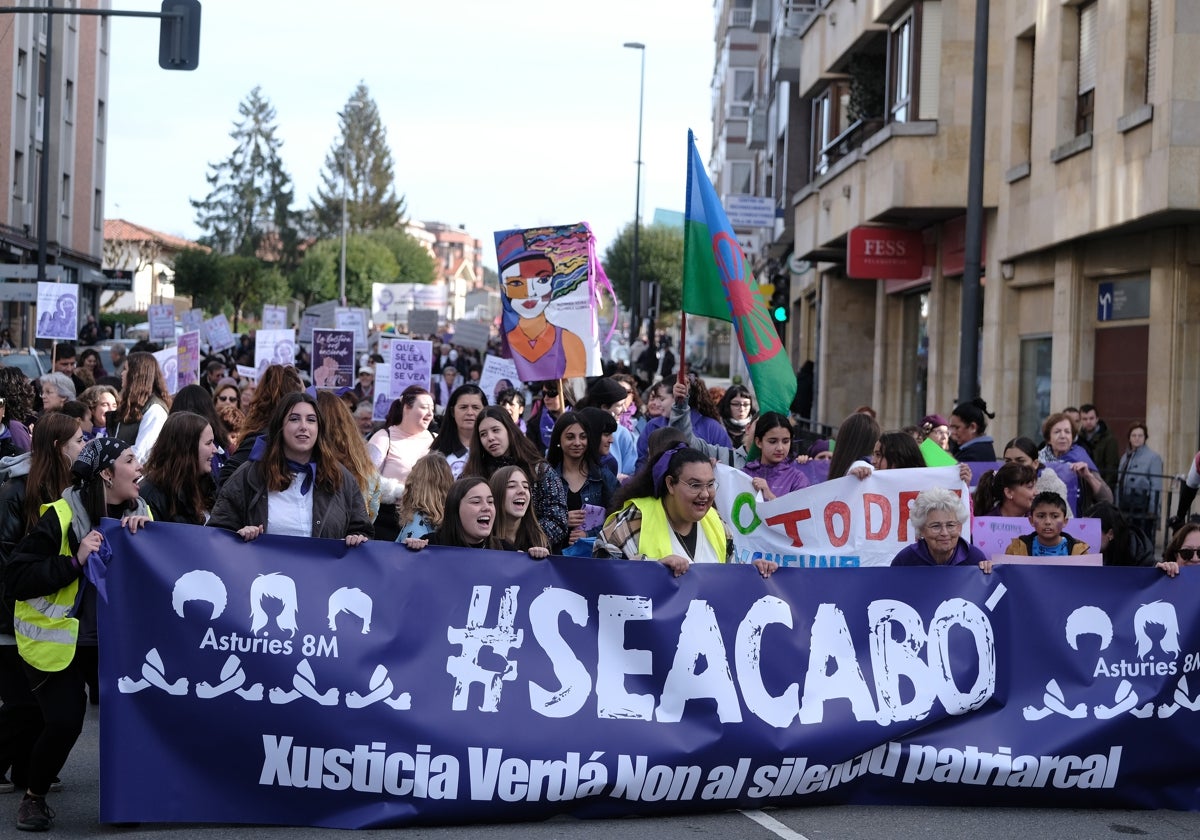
x=421, y=508
x=177, y=481
x=293, y=483
x=196, y=400
x=574, y=455
x=38, y=478
x=348, y=446
x=458, y=426
x=277, y=382
x=144, y=404
x=516, y=523
x=497, y=442
x=898, y=451
x=394, y=449
x=45, y=576
x=470, y=517
x=1008, y=491
x=856, y=439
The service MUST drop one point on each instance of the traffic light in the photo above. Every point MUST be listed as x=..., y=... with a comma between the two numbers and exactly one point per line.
x=781, y=303
x=179, y=35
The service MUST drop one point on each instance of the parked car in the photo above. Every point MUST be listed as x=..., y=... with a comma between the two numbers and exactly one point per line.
x=33, y=363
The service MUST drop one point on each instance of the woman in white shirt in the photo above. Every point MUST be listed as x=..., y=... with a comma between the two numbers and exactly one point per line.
x=144, y=405
x=405, y=437
x=293, y=484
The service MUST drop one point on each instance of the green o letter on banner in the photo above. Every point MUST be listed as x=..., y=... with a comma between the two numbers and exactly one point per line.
x=743, y=501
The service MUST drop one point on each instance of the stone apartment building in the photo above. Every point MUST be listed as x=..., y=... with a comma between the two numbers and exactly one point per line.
x=1091, y=200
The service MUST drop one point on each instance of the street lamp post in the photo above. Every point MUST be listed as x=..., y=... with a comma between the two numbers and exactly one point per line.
x=345, y=188
x=634, y=319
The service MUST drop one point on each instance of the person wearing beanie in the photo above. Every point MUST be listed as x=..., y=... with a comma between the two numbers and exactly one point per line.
x=54, y=575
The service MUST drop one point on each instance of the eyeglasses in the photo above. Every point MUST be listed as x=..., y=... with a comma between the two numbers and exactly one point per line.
x=740, y=404
x=1188, y=555
x=697, y=486
x=943, y=527
x=550, y=393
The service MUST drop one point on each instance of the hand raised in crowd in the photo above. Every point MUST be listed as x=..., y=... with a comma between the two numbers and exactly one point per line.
x=860, y=472
x=964, y=473
x=356, y=539
x=680, y=390
x=249, y=533
x=88, y=544
x=537, y=552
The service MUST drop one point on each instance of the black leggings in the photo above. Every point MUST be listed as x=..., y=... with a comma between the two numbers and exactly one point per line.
x=20, y=717
x=61, y=697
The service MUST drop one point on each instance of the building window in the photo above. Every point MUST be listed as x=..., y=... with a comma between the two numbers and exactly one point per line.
x=65, y=200
x=915, y=353
x=830, y=119
x=98, y=210
x=18, y=185
x=741, y=177
x=100, y=119
x=1085, y=100
x=1022, y=128
x=900, y=67
x=1151, y=49
x=69, y=102
x=741, y=93
x=1033, y=402
x=22, y=71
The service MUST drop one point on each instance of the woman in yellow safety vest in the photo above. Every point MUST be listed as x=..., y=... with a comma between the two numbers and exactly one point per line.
x=55, y=612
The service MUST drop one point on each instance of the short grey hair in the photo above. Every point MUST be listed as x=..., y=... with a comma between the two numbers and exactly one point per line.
x=936, y=498
x=61, y=383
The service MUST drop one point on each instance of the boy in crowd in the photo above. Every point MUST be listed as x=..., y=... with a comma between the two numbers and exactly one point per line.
x=1048, y=515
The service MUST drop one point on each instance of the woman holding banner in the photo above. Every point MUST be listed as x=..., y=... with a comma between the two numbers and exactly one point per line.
x=293, y=483
x=669, y=516
x=937, y=515
x=498, y=443
x=55, y=612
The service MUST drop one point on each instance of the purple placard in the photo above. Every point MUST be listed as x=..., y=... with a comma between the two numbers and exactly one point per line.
x=992, y=534
x=188, y=356
x=333, y=358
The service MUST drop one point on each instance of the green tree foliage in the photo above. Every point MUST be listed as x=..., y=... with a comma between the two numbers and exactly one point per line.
x=380, y=256
x=660, y=248
x=416, y=264
x=248, y=210
x=361, y=159
x=231, y=284
x=200, y=275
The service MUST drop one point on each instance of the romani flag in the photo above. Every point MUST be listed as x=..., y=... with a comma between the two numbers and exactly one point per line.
x=717, y=283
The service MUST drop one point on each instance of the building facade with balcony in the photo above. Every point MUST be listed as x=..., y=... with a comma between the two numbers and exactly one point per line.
x=75, y=91
x=150, y=255
x=1091, y=194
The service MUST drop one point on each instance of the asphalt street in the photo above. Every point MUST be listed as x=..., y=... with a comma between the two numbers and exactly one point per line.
x=77, y=808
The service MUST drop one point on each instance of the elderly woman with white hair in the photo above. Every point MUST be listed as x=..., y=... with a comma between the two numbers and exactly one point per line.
x=57, y=389
x=937, y=515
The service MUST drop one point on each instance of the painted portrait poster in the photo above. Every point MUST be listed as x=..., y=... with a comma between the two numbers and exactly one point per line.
x=58, y=308
x=333, y=358
x=548, y=280
x=168, y=363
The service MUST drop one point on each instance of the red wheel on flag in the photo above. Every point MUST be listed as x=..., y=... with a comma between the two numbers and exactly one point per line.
x=750, y=319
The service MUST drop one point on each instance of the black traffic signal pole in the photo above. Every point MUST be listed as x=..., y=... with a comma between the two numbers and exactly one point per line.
x=177, y=46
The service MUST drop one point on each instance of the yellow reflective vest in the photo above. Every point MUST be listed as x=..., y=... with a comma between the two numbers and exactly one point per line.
x=46, y=628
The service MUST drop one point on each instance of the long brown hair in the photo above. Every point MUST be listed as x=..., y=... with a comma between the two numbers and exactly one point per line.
x=451, y=531
x=276, y=383
x=528, y=533
x=49, y=470
x=143, y=380
x=344, y=439
x=174, y=468
x=426, y=489
x=276, y=474
x=520, y=448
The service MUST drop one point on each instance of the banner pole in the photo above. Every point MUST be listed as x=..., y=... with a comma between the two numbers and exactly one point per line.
x=682, y=346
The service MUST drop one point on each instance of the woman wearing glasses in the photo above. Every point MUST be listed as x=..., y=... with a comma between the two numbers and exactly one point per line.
x=938, y=515
x=666, y=514
x=737, y=411
x=1183, y=550
x=226, y=393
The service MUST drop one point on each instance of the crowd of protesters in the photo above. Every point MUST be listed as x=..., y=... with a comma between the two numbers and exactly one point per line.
x=621, y=468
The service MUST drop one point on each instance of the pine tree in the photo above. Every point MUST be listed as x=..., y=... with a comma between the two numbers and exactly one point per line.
x=248, y=211
x=361, y=159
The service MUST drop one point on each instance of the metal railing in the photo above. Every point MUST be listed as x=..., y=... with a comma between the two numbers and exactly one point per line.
x=845, y=143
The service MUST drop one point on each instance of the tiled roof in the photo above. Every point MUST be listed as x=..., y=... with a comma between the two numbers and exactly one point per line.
x=123, y=231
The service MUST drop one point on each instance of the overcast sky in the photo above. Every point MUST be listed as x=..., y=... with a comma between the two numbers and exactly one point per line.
x=499, y=113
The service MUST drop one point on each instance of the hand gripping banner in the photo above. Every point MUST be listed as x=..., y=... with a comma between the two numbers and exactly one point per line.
x=295, y=681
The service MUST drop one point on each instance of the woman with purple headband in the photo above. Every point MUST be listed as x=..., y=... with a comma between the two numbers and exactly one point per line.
x=665, y=512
